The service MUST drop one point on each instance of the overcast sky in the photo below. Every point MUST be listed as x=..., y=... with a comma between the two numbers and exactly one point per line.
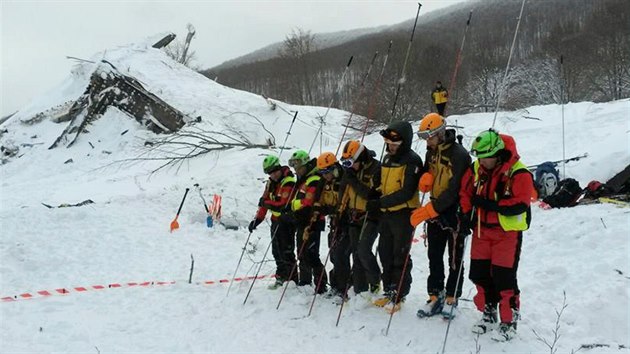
x=37, y=35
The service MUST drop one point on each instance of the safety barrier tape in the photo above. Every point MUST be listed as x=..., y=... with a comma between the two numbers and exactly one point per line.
x=81, y=289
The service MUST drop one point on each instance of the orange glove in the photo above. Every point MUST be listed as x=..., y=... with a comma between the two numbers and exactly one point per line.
x=423, y=213
x=426, y=182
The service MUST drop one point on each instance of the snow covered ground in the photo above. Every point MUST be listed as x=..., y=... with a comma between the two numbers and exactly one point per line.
x=124, y=237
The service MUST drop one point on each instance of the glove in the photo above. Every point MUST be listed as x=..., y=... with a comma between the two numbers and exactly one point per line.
x=253, y=224
x=261, y=201
x=426, y=182
x=423, y=213
x=373, y=205
x=485, y=204
x=465, y=223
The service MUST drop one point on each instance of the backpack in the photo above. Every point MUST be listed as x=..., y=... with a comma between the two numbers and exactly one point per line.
x=566, y=195
x=546, y=179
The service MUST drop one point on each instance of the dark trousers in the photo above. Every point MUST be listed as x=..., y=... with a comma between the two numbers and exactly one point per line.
x=310, y=265
x=440, y=108
x=393, y=248
x=339, y=244
x=438, y=238
x=283, y=248
x=493, y=267
x=365, y=269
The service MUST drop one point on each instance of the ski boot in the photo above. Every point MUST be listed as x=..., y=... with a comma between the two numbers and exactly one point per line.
x=487, y=321
x=433, y=306
x=448, y=310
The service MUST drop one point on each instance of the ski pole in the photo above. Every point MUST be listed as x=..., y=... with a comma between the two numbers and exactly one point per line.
x=458, y=59
x=402, y=274
x=287, y=136
x=339, y=86
x=564, y=163
x=293, y=269
x=321, y=275
x=361, y=93
x=402, y=79
x=238, y=264
x=348, y=285
x=174, y=223
x=507, y=67
x=457, y=284
x=273, y=237
x=375, y=92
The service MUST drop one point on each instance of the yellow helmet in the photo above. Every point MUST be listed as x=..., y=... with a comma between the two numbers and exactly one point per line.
x=431, y=125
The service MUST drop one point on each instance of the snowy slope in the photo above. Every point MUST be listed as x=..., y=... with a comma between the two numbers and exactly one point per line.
x=124, y=236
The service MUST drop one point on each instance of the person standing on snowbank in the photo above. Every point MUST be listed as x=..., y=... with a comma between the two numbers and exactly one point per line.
x=400, y=172
x=498, y=189
x=278, y=193
x=445, y=162
x=439, y=95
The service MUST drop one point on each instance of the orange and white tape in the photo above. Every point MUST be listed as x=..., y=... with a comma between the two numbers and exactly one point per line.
x=80, y=289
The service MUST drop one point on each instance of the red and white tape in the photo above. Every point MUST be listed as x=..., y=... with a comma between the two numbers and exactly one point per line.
x=80, y=289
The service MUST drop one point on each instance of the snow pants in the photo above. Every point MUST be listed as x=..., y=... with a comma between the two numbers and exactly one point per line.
x=494, y=262
x=393, y=248
x=310, y=264
x=283, y=248
x=438, y=238
x=365, y=269
x=339, y=244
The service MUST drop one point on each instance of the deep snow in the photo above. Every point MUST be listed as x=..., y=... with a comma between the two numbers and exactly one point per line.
x=123, y=237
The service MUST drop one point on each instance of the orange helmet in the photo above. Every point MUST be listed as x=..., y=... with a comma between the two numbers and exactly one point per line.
x=326, y=160
x=352, y=150
x=431, y=125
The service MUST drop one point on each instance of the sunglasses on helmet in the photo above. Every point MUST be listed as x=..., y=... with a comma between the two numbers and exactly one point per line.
x=327, y=170
x=426, y=134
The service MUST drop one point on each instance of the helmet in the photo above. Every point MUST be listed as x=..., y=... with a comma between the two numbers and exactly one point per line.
x=351, y=153
x=487, y=144
x=299, y=158
x=326, y=160
x=271, y=163
x=431, y=125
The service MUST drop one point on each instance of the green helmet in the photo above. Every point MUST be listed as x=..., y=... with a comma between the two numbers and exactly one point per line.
x=487, y=144
x=271, y=163
x=299, y=158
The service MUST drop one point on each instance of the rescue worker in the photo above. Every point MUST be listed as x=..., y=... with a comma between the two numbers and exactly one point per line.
x=445, y=162
x=400, y=172
x=278, y=193
x=328, y=203
x=361, y=179
x=439, y=95
x=309, y=224
x=497, y=189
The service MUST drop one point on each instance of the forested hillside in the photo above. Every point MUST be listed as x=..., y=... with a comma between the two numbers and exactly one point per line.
x=593, y=38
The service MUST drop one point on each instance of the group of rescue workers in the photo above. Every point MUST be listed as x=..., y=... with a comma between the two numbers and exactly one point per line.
x=364, y=198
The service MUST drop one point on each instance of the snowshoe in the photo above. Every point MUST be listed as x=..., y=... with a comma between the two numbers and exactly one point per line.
x=433, y=306
x=506, y=331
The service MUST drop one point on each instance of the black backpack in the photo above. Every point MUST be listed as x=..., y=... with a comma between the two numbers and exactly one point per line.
x=566, y=195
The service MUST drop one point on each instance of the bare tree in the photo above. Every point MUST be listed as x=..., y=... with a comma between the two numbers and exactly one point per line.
x=179, y=50
x=298, y=46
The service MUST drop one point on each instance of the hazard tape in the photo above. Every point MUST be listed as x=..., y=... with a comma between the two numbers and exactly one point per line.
x=81, y=289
